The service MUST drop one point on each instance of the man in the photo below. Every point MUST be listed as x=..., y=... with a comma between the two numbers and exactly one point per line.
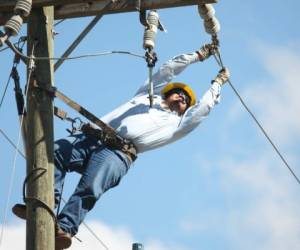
x=174, y=114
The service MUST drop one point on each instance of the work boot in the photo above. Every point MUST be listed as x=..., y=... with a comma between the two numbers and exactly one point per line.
x=63, y=240
x=19, y=210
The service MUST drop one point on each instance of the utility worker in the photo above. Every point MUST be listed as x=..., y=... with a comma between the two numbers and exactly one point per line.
x=174, y=114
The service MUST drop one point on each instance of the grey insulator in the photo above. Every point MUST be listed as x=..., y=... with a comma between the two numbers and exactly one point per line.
x=149, y=39
x=13, y=25
x=212, y=26
x=151, y=30
x=206, y=11
x=23, y=7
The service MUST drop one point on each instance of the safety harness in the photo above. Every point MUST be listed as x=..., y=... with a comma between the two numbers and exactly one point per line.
x=106, y=134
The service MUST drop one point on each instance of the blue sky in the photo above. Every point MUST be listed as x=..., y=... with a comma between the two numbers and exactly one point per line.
x=222, y=186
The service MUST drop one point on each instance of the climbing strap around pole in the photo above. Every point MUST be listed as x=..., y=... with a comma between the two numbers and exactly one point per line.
x=106, y=134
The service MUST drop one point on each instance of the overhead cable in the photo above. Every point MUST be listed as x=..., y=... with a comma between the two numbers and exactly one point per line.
x=212, y=27
x=219, y=61
x=76, y=57
x=12, y=143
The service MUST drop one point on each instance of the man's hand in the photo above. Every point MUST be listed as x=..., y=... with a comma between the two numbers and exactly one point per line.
x=223, y=76
x=206, y=51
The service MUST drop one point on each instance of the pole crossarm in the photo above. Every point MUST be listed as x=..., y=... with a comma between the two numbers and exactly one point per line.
x=8, y=5
x=81, y=8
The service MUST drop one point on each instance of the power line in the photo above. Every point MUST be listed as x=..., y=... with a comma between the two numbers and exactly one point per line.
x=264, y=132
x=5, y=90
x=12, y=143
x=74, y=57
x=96, y=237
x=220, y=62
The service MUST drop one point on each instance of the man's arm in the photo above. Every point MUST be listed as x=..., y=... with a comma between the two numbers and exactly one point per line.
x=197, y=113
x=174, y=67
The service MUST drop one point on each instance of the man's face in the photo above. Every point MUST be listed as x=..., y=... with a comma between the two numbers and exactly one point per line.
x=178, y=102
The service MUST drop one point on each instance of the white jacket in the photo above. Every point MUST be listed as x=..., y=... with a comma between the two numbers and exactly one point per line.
x=149, y=128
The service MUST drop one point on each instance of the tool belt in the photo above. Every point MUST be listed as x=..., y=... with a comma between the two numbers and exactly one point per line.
x=115, y=142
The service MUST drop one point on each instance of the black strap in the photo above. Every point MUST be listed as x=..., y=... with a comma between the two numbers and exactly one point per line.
x=72, y=104
x=18, y=91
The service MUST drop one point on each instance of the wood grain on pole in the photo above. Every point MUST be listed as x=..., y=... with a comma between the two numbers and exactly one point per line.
x=40, y=224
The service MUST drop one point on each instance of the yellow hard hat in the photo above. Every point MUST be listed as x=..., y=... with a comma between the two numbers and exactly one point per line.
x=180, y=85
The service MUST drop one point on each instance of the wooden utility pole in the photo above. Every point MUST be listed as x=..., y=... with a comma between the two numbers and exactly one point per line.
x=40, y=224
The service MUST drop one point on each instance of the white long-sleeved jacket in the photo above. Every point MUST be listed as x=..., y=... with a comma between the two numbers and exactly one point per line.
x=149, y=128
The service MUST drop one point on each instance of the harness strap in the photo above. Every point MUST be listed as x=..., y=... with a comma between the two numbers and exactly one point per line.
x=107, y=134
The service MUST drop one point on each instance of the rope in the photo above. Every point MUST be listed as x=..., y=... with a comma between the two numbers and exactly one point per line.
x=220, y=63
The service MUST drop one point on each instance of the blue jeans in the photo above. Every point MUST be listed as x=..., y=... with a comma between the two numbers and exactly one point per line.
x=100, y=167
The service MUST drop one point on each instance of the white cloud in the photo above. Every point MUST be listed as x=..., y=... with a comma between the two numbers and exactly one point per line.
x=271, y=219
x=276, y=98
x=114, y=238
x=13, y=237
x=261, y=206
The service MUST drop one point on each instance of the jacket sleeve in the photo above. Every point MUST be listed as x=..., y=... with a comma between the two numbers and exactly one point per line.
x=197, y=113
x=168, y=71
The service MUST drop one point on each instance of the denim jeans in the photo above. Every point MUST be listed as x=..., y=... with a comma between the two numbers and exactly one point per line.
x=100, y=167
